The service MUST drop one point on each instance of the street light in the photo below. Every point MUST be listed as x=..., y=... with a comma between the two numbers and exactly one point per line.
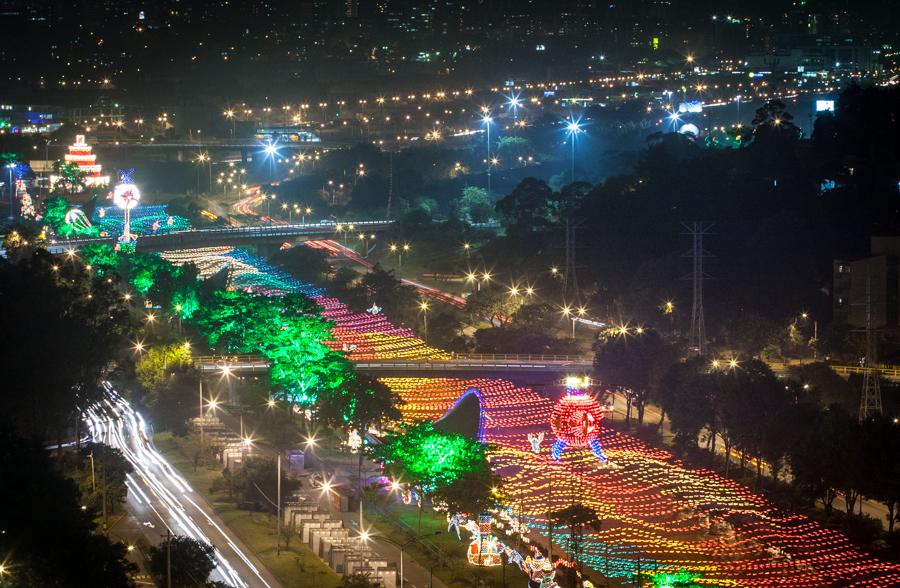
x=573, y=128
x=487, y=120
x=401, y=547
x=399, y=250
x=423, y=308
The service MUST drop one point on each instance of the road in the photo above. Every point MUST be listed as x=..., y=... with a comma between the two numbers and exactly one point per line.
x=162, y=500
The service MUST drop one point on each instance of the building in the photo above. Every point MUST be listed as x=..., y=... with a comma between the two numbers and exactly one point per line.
x=880, y=275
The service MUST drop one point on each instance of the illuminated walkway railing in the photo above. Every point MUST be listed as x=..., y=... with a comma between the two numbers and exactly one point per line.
x=462, y=363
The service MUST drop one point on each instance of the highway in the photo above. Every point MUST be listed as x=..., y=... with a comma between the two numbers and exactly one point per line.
x=162, y=500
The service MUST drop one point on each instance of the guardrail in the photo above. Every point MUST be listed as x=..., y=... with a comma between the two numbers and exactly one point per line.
x=454, y=358
x=887, y=371
x=255, y=231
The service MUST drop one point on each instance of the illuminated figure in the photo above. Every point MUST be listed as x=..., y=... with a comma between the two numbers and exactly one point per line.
x=454, y=522
x=576, y=420
x=540, y=572
x=536, y=439
x=484, y=550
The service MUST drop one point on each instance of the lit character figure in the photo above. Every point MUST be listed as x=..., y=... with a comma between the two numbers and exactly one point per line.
x=354, y=441
x=540, y=571
x=536, y=439
x=155, y=225
x=170, y=221
x=575, y=420
x=453, y=523
x=484, y=550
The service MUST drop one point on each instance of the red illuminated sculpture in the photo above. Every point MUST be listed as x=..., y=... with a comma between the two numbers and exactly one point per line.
x=576, y=420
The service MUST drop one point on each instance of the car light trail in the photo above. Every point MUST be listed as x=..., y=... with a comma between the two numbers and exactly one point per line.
x=156, y=484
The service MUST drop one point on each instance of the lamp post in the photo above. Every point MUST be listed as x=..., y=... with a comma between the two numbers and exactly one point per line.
x=11, y=189
x=487, y=120
x=399, y=250
x=423, y=308
x=573, y=128
x=401, y=547
x=201, y=417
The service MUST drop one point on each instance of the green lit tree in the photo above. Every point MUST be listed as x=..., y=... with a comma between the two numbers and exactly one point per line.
x=679, y=579
x=429, y=459
x=474, y=205
x=102, y=257
x=71, y=177
x=55, y=210
x=160, y=362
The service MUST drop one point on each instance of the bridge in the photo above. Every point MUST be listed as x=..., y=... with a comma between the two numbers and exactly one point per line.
x=276, y=234
x=459, y=365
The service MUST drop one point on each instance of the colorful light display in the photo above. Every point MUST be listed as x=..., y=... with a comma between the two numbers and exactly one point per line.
x=144, y=220
x=576, y=421
x=660, y=519
x=81, y=154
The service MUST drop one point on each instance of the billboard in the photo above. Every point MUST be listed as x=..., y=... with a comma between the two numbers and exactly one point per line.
x=824, y=105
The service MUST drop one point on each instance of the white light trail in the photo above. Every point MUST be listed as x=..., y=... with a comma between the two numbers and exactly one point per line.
x=115, y=423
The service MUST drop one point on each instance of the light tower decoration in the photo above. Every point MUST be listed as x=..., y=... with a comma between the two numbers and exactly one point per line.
x=576, y=419
x=484, y=550
x=126, y=196
x=81, y=154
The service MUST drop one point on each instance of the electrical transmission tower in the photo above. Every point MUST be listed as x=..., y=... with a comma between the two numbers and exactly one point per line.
x=698, y=324
x=870, y=401
x=570, y=274
x=387, y=213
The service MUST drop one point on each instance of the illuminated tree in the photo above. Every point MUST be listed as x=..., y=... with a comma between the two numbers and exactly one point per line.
x=154, y=368
x=679, y=579
x=474, y=205
x=101, y=256
x=55, y=210
x=428, y=458
x=285, y=330
x=71, y=176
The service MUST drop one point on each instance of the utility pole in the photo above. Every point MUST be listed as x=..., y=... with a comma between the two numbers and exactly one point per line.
x=870, y=402
x=387, y=214
x=698, y=324
x=168, y=558
x=200, y=380
x=278, y=507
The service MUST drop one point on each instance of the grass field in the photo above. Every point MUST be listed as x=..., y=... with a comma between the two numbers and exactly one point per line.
x=295, y=567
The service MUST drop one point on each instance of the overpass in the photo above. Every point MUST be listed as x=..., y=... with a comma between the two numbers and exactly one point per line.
x=193, y=238
x=467, y=365
x=887, y=372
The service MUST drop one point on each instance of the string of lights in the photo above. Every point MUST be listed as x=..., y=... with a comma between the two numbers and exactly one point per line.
x=659, y=517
